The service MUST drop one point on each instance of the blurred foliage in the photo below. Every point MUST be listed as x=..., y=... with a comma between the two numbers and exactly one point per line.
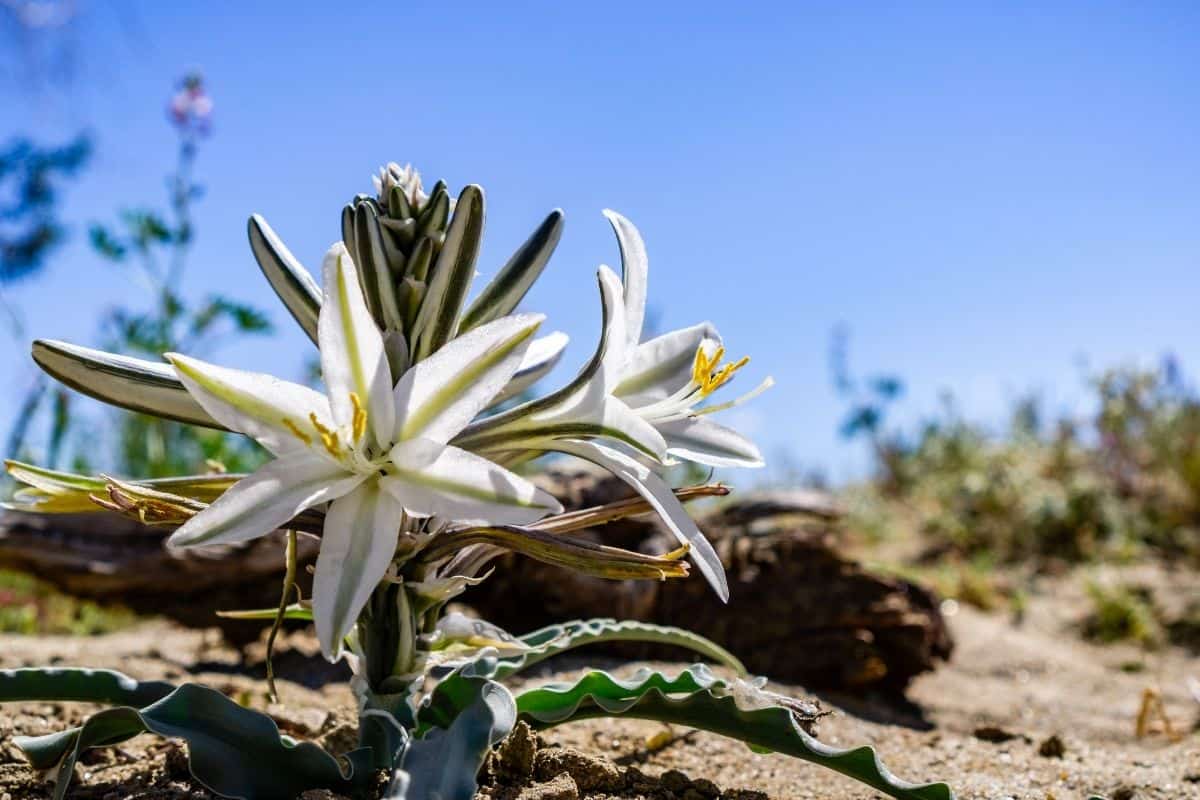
x=1117, y=484
x=1122, y=613
x=30, y=179
x=28, y=606
x=151, y=246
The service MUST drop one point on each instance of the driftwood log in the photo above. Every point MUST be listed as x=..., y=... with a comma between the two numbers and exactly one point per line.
x=798, y=611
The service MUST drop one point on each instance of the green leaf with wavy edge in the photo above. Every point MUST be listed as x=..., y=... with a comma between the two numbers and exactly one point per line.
x=233, y=751
x=505, y=291
x=437, y=320
x=133, y=383
x=294, y=284
x=444, y=763
x=695, y=698
x=72, y=684
x=555, y=639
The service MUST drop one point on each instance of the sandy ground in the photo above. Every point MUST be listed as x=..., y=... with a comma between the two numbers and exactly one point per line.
x=1023, y=684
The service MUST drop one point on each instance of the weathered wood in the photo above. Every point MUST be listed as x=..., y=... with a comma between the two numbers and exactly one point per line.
x=799, y=611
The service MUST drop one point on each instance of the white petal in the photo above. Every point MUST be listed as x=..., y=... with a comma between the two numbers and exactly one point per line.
x=662, y=500
x=429, y=478
x=543, y=355
x=352, y=354
x=585, y=393
x=603, y=371
x=357, y=546
x=258, y=405
x=660, y=367
x=441, y=394
x=707, y=442
x=617, y=348
x=635, y=267
x=266, y=499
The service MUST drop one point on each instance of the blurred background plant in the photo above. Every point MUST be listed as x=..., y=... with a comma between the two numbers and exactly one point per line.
x=1117, y=484
x=151, y=247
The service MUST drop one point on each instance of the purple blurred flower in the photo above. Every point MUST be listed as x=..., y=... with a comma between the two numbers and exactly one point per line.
x=191, y=107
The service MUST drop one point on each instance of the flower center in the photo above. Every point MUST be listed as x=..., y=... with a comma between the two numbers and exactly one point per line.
x=348, y=453
x=709, y=374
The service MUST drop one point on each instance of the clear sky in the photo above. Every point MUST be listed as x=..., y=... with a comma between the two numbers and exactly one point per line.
x=984, y=192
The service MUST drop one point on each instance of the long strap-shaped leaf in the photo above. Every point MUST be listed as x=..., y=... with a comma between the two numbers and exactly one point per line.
x=124, y=381
x=49, y=491
x=287, y=276
x=84, y=685
x=555, y=639
x=512, y=282
x=444, y=763
x=695, y=699
x=437, y=320
x=233, y=751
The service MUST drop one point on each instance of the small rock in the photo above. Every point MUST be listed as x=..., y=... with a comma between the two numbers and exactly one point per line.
x=1124, y=793
x=590, y=774
x=675, y=781
x=341, y=739
x=561, y=787
x=706, y=788
x=513, y=760
x=177, y=762
x=993, y=733
x=1052, y=747
x=638, y=782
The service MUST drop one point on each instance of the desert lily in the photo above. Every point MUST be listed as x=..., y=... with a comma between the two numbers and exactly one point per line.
x=375, y=453
x=643, y=396
x=404, y=476
x=664, y=380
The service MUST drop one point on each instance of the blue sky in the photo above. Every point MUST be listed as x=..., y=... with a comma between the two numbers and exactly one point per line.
x=984, y=193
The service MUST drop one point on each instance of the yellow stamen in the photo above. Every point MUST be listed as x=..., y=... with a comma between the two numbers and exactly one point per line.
x=705, y=372
x=329, y=439
x=299, y=434
x=358, y=424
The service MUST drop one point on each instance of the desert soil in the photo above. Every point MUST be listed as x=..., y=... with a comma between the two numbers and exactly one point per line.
x=984, y=722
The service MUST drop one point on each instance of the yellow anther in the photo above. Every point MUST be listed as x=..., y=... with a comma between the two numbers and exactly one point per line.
x=358, y=423
x=705, y=372
x=295, y=431
x=329, y=439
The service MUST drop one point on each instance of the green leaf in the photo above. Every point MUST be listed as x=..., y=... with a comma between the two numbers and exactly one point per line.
x=294, y=611
x=233, y=751
x=512, y=282
x=555, y=639
x=54, y=492
x=437, y=321
x=695, y=698
x=376, y=275
x=287, y=276
x=460, y=721
x=132, y=383
x=70, y=684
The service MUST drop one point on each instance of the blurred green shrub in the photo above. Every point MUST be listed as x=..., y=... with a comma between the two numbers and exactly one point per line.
x=30, y=607
x=1114, y=485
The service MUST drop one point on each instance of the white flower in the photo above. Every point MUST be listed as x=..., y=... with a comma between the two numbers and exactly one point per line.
x=665, y=379
x=374, y=452
x=643, y=398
